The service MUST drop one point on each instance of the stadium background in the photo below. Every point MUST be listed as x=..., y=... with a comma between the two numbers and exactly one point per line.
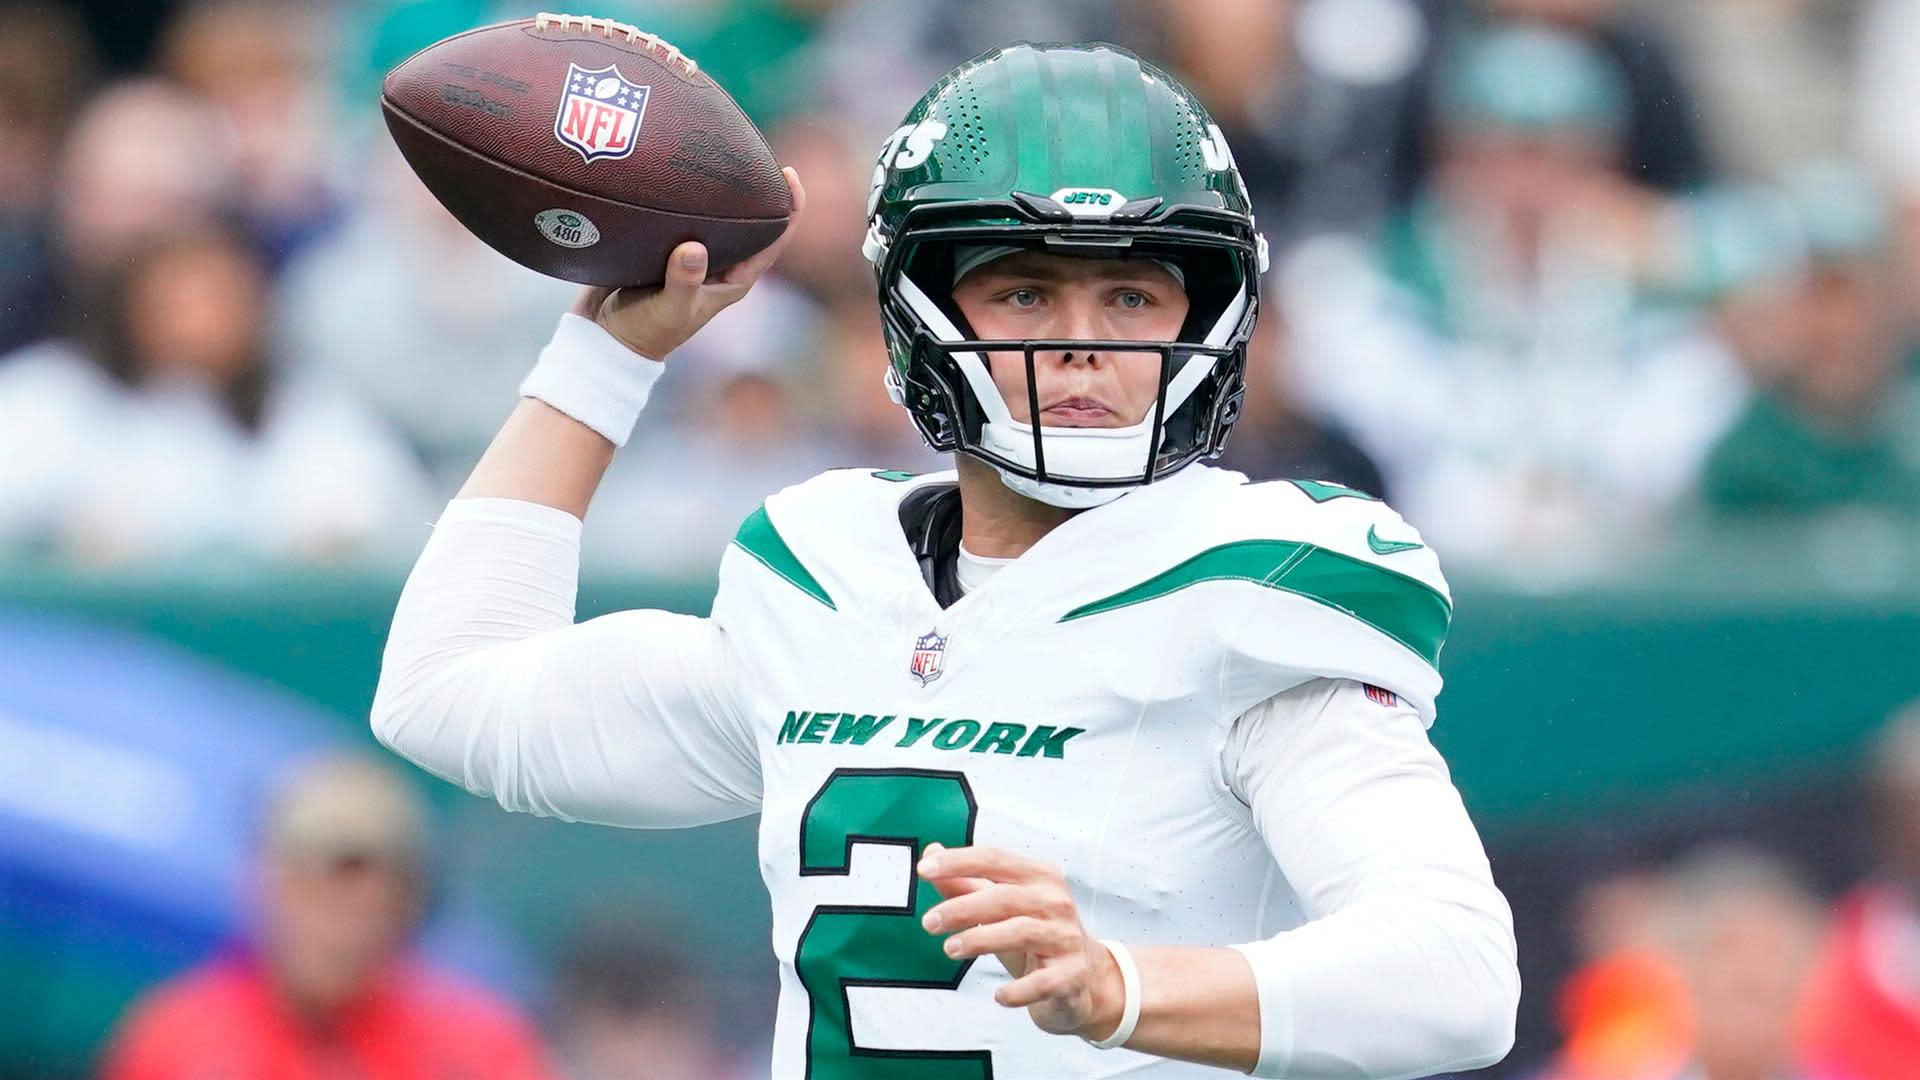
x=1615, y=300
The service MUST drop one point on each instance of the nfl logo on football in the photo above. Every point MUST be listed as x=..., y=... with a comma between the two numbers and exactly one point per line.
x=600, y=113
x=929, y=652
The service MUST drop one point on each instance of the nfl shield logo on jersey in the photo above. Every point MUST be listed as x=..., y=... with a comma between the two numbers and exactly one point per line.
x=929, y=652
x=600, y=113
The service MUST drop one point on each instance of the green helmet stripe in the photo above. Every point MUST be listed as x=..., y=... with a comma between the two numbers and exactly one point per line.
x=1076, y=119
x=1033, y=118
x=1127, y=110
x=1079, y=124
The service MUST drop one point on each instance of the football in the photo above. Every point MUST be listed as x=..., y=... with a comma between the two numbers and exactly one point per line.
x=585, y=149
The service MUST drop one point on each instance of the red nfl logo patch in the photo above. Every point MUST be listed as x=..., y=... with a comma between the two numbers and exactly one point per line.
x=600, y=113
x=929, y=653
x=1381, y=696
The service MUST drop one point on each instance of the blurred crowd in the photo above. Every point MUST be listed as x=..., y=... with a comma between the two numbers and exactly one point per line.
x=1551, y=275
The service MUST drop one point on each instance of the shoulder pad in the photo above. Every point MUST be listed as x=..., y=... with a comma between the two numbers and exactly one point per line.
x=1354, y=557
x=1347, y=521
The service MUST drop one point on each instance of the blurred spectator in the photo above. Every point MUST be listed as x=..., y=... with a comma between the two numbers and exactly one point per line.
x=1743, y=931
x=163, y=428
x=1316, y=97
x=258, y=63
x=1662, y=145
x=44, y=51
x=627, y=1003
x=1624, y=1009
x=423, y=321
x=1697, y=973
x=1275, y=439
x=143, y=157
x=326, y=987
x=1837, y=422
x=1500, y=355
x=1864, y=1019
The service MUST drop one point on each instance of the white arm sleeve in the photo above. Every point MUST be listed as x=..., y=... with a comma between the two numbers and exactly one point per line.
x=487, y=681
x=1406, y=967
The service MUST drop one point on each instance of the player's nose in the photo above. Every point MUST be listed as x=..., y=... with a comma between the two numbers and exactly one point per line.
x=1080, y=319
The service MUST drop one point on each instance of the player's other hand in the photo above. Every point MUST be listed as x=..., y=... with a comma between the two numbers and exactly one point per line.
x=1021, y=911
x=655, y=321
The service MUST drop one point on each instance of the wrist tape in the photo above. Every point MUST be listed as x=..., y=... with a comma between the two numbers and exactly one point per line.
x=587, y=374
x=1130, y=1010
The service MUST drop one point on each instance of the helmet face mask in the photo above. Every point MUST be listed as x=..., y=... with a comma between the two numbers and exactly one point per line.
x=958, y=174
x=1113, y=457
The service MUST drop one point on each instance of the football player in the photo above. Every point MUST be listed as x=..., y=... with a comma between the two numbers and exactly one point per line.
x=1084, y=758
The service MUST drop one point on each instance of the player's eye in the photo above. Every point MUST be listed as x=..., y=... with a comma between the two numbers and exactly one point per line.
x=1134, y=299
x=1023, y=298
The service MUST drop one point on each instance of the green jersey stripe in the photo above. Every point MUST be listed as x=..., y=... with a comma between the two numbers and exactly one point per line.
x=1405, y=609
x=758, y=538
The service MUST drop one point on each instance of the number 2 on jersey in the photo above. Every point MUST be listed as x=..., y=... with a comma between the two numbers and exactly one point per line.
x=879, y=945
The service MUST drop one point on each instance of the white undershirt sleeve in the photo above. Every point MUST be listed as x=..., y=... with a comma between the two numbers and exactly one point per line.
x=1406, y=967
x=487, y=681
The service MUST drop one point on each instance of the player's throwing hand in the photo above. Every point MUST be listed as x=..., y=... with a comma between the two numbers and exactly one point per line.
x=655, y=321
x=1021, y=911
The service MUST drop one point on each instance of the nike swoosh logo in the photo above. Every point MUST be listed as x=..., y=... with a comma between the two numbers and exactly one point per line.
x=1388, y=547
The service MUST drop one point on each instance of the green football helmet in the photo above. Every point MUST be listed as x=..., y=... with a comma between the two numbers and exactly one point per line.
x=1079, y=150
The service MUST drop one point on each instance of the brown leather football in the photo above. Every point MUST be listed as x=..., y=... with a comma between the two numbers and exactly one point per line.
x=585, y=149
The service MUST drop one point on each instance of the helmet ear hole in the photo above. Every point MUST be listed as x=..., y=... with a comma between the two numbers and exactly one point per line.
x=938, y=412
x=1230, y=409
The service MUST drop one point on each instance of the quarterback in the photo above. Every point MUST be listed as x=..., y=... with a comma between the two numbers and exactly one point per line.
x=1082, y=759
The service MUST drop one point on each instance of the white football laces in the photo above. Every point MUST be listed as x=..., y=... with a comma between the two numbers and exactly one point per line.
x=608, y=28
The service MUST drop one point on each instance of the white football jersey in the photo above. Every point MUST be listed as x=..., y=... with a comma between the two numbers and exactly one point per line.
x=1073, y=709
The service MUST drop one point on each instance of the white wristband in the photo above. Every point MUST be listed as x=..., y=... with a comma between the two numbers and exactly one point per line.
x=1130, y=1010
x=586, y=373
